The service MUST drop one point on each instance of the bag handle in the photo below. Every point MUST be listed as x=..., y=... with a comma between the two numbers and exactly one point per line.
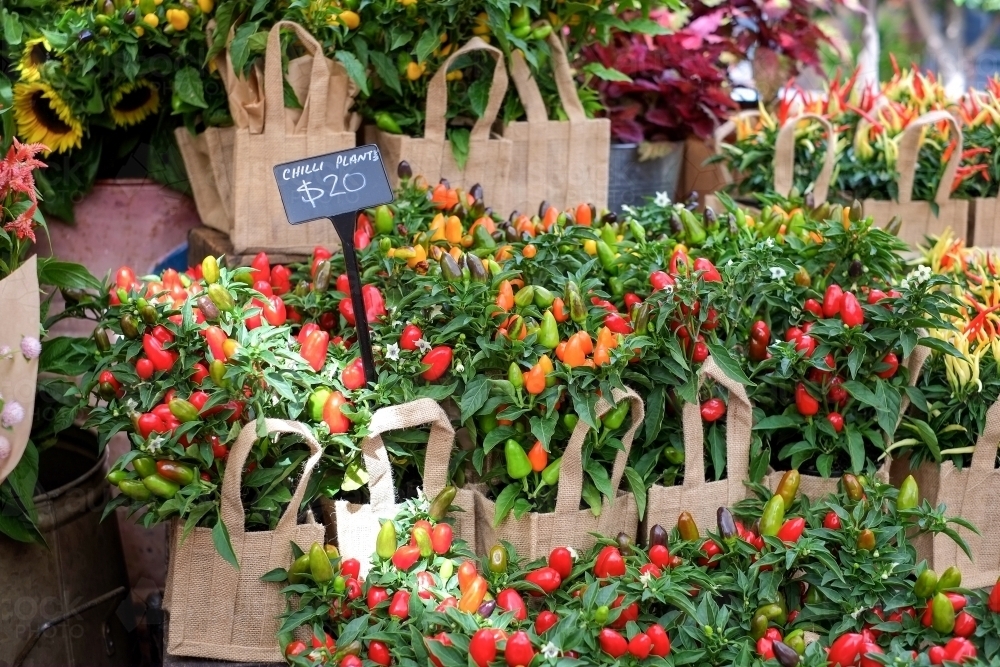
x=739, y=422
x=985, y=455
x=439, y=444
x=274, y=90
x=232, y=512
x=719, y=138
x=784, y=158
x=909, y=150
x=571, y=469
x=437, y=94
x=394, y=418
x=531, y=97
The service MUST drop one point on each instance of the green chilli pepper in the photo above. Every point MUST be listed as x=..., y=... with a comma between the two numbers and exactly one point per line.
x=441, y=504
x=134, y=489
x=525, y=296
x=385, y=543
x=515, y=375
x=615, y=417
x=942, y=614
x=866, y=540
x=319, y=563
x=758, y=626
x=129, y=327
x=160, y=486
x=298, y=568
x=221, y=297
x=518, y=465
x=773, y=516
x=950, y=579
x=852, y=487
x=550, y=475
x=543, y=297
x=925, y=585
x=548, y=332
x=607, y=258
x=498, y=559
x=909, y=494
x=144, y=465
x=101, y=339
x=317, y=400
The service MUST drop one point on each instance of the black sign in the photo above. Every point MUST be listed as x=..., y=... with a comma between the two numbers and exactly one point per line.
x=329, y=185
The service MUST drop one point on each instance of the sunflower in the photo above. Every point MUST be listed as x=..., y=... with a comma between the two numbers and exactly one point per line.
x=35, y=54
x=132, y=102
x=43, y=117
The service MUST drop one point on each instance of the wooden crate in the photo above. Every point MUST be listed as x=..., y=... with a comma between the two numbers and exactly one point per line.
x=204, y=241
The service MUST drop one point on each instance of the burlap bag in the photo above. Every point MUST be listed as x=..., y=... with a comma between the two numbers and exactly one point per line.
x=323, y=126
x=986, y=220
x=784, y=158
x=431, y=156
x=536, y=534
x=974, y=494
x=665, y=503
x=357, y=526
x=217, y=611
x=918, y=217
x=20, y=307
x=814, y=487
x=561, y=162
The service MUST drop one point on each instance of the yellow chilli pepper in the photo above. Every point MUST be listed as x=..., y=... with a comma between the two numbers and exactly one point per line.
x=206, y=6
x=178, y=18
x=349, y=19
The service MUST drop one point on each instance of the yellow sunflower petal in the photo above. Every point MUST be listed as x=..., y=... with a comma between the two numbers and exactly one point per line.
x=43, y=117
x=133, y=102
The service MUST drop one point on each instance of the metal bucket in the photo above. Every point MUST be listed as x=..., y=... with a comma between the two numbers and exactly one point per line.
x=79, y=572
x=631, y=182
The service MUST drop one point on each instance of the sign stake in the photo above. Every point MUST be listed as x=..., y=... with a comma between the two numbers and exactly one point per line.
x=337, y=187
x=345, y=224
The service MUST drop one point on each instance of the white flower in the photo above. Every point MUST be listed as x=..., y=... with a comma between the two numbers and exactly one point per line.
x=422, y=345
x=4, y=352
x=645, y=578
x=397, y=324
x=459, y=368
x=777, y=273
x=662, y=199
x=12, y=414
x=669, y=289
x=392, y=352
x=628, y=210
x=769, y=242
x=155, y=444
x=905, y=284
x=550, y=651
x=573, y=553
x=30, y=347
x=729, y=263
x=4, y=448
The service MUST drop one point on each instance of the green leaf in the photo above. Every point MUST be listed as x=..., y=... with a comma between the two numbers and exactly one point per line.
x=187, y=85
x=638, y=487
x=386, y=71
x=354, y=69
x=938, y=345
x=856, y=448
x=724, y=359
x=479, y=95
x=927, y=434
x=543, y=428
x=476, y=393
x=428, y=41
x=777, y=421
x=655, y=403
x=277, y=574
x=11, y=28
x=505, y=503
x=606, y=73
x=65, y=275
x=459, y=137
x=220, y=536
x=862, y=393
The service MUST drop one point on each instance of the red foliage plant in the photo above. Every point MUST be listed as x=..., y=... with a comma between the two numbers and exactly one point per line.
x=676, y=86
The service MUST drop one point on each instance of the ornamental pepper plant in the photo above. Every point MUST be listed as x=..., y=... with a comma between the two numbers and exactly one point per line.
x=832, y=582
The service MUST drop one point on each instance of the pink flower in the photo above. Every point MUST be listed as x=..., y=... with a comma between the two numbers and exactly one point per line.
x=31, y=347
x=5, y=448
x=12, y=415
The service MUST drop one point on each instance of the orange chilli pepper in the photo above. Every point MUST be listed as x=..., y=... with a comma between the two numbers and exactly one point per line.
x=546, y=364
x=534, y=380
x=586, y=342
x=601, y=355
x=538, y=456
x=561, y=351
x=503, y=254
x=453, y=229
x=505, y=299
x=584, y=215
x=486, y=222
x=574, y=355
x=473, y=595
x=551, y=215
x=559, y=310
x=467, y=573
x=530, y=251
x=605, y=338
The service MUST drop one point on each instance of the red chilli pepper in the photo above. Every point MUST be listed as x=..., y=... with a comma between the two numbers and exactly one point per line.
x=609, y=563
x=439, y=360
x=804, y=401
x=162, y=360
x=850, y=310
x=832, y=299
x=612, y=643
x=400, y=605
x=314, y=349
x=791, y=530
x=713, y=409
x=545, y=578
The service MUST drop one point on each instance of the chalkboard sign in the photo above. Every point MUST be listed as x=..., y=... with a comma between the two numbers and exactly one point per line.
x=329, y=185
